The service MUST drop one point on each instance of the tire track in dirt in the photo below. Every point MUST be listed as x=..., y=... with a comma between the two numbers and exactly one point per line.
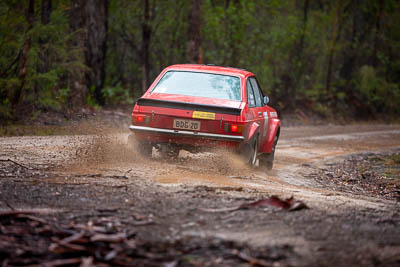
x=295, y=158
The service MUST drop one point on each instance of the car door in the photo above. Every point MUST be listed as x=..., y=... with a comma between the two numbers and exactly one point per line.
x=256, y=106
x=260, y=110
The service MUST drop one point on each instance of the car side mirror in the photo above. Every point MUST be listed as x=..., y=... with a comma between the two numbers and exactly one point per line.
x=266, y=100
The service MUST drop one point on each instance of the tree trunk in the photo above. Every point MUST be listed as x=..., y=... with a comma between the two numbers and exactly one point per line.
x=77, y=80
x=290, y=79
x=194, y=33
x=88, y=21
x=46, y=11
x=235, y=41
x=350, y=54
x=377, y=32
x=23, y=70
x=95, y=48
x=332, y=44
x=297, y=67
x=43, y=54
x=304, y=27
x=145, y=47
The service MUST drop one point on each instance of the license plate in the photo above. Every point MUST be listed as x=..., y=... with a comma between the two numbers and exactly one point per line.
x=187, y=125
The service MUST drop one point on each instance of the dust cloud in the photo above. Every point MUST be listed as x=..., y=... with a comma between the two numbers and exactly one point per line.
x=106, y=148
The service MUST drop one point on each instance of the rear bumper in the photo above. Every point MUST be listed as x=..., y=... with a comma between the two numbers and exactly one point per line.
x=179, y=136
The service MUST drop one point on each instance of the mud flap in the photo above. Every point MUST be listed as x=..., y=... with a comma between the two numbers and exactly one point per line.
x=252, y=131
x=267, y=160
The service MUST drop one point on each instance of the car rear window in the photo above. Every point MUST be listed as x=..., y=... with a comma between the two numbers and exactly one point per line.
x=199, y=84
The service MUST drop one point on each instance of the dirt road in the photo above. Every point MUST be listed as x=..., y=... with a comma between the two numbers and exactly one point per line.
x=86, y=178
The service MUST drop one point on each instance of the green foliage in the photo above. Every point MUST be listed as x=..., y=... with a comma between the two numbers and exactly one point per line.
x=50, y=59
x=117, y=95
x=169, y=27
x=91, y=100
x=292, y=47
x=380, y=95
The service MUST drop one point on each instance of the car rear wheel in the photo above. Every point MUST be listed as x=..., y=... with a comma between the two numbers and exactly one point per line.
x=252, y=161
x=174, y=152
x=168, y=150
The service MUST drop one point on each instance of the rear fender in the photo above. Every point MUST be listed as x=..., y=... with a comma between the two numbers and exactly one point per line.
x=274, y=130
x=252, y=130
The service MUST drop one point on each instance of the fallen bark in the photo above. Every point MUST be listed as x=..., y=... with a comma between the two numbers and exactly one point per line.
x=288, y=204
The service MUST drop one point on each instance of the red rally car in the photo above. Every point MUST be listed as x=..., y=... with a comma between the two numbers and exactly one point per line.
x=202, y=106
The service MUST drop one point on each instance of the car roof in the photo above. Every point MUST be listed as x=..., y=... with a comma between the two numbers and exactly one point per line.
x=210, y=68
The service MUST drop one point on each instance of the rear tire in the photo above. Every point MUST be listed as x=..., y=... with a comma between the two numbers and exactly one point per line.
x=253, y=159
x=174, y=152
x=168, y=150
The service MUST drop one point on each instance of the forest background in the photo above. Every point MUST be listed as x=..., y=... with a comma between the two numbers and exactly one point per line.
x=331, y=58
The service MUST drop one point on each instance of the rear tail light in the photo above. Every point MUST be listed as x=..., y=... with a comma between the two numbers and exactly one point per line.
x=233, y=128
x=140, y=119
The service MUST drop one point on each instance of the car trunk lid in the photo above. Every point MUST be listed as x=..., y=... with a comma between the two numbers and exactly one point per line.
x=198, y=114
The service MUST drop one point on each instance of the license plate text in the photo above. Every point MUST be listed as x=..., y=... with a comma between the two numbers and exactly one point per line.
x=187, y=125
